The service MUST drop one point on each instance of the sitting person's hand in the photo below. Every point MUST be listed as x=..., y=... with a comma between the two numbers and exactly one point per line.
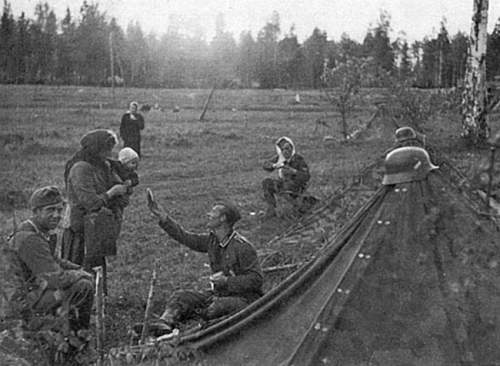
x=268, y=165
x=288, y=171
x=218, y=280
x=117, y=190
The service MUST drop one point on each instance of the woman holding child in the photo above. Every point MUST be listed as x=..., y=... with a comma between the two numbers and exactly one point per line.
x=97, y=197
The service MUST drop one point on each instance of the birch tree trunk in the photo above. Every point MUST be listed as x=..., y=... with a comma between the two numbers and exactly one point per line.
x=474, y=117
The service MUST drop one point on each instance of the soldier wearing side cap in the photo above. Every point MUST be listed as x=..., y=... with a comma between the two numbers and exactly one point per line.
x=48, y=283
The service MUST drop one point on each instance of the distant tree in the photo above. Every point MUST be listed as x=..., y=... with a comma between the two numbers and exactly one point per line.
x=405, y=64
x=430, y=60
x=246, y=64
x=66, y=50
x=267, y=53
x=173, y=56
x=7, y=44
x=119, y=48
x=92, y=50
x=198, y=62
x=458, y=57
x=223, y=53
x=343, y=82
x=315, y=51
x=402, y=54
x=444, y=67
x=416, y=53
x=349, y=48
x=377, y=43
x=22, y=50
x=474, y=114
x=290, y=60
x=135, y=54
x=493, y=53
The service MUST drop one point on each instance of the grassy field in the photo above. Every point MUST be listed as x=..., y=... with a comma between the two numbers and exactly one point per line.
x=189, y=164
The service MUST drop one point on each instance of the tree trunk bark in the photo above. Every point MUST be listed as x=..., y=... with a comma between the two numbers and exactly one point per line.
x=474, y=117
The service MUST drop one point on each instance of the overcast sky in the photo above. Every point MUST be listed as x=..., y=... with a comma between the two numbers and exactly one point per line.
x=416, y=18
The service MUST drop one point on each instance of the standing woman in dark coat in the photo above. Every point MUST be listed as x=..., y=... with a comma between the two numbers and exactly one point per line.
x=130, y=128
x=90, y=185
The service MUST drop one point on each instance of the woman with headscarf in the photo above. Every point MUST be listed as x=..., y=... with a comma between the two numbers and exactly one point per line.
x=91, y=186
x=293, y=174
x=130, y=128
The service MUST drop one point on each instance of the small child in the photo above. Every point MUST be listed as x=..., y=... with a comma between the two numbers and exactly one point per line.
x=126, y=167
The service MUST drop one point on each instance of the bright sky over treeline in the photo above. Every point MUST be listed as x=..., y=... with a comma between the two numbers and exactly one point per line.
x=416, y=18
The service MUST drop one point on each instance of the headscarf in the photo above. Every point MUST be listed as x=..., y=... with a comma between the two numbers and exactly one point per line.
x=281, y=159
x=127, y=154
x=132, y=115
x=92, y=143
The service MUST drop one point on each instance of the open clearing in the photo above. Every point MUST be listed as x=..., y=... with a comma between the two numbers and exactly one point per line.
x=189, y=164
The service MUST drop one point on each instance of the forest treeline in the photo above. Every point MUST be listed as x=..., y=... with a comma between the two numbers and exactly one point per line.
x=77, y=48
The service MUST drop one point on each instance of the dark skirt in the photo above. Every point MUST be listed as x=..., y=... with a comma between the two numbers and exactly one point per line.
x=73, y=249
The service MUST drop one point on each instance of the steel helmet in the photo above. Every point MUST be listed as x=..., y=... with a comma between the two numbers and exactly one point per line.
x=404, y=134
x=407, y=164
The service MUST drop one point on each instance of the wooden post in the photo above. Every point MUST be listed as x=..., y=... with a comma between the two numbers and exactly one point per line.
x=100, y=329
x=112, y=65
x=491, y=172
x=104, y=277
x=474, y=114
x=205, y=107
x=14, y=219
x=147, y=312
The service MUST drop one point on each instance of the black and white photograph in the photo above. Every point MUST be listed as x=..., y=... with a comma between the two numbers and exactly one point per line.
x=249, y=183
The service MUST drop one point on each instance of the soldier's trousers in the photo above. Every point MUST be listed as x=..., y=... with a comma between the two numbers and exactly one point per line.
x=79, y=296
x=185, y=304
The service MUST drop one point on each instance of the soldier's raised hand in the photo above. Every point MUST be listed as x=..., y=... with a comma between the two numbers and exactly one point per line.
x=155, y=208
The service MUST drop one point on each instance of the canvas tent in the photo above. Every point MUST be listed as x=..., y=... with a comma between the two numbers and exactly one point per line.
x=411, y=279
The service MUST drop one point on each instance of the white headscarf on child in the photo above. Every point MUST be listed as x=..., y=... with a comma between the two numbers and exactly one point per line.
x=127, y=154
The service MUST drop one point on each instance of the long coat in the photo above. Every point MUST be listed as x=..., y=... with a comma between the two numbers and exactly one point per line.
x=86, y=190
x=130, y=131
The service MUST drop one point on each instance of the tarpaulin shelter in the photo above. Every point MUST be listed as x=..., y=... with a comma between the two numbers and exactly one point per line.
x=412, y=279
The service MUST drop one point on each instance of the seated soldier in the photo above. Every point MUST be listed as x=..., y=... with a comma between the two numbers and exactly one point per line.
x=293, y=174
x=236, y=278
x=51, y=282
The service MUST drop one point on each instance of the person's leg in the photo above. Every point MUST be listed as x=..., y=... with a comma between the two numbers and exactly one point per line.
x=292, y=188
x=221, y=306
x=184, y=304
x=80, y=295
x=270, y=188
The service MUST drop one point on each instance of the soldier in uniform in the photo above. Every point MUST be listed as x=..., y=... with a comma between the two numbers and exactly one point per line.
x=236, y=278
x=50, y=282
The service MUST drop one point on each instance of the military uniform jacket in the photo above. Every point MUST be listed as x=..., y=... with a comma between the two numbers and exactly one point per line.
x=35, y=263
x=234, y=256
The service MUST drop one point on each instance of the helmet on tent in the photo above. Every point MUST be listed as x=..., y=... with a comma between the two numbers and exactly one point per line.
x=404, y=134
x=407, y=164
